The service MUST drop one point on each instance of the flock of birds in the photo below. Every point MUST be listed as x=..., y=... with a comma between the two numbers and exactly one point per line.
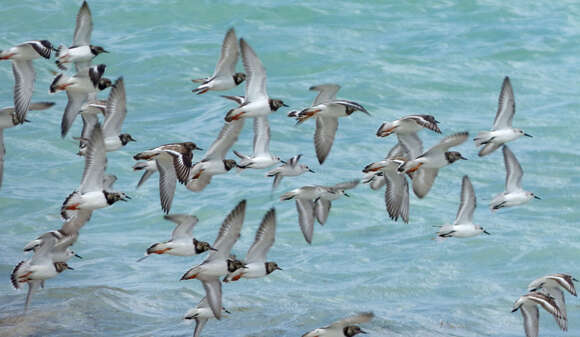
x=405, y=163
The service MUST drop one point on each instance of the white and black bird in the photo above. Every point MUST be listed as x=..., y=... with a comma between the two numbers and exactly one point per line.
x=173, y=162
x=327, y=109
x=79, y=88
x=315, y=202
x=528, y=305
x=201, y=314
x=92, y=193
x=224, y=76
x=82, y=51
x=256, y=99
x=463, y=226
x=427, y=165
x=214, y=161
x=115, y=113
x=552, y=285
x=8, y=119
x=346, y=327
x=408, y=124
x=256, y=265
x=21, y=56
x=290, y=168
x=261, y=157
x=219, y=263
x=397, y=189
x=514, y=194
x=37, y=269
x=502, y=131
x=182, y=242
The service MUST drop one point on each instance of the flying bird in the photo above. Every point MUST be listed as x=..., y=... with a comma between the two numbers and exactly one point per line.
x=173, y=162
x=346, y=327
x=256, y=265
x=426, y=166
x=224, y=77
x=182, y=242
x=514, y=194
x=529, y=308
x=463, y=226
x=256, y=99
x=82, y=51
x=21, y=56
x=502, y=131
x=218, y=263
x=93, y=193
x=327, y=110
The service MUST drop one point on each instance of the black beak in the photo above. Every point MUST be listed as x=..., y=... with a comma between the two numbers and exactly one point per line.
x=278, y=268
x=78, y=256
x=310, y=170
x=132, y=139
x=528, y=135
x=362, y=331
x=211, y=248
x=535, y=289
x=226, y=311
x=462, y=157
x=346, y=194
x=198, y=148
x=536, y=197
x=514, y=310
x=69, y=267
x=284, y=105
x=282, y=161
x=486, y=232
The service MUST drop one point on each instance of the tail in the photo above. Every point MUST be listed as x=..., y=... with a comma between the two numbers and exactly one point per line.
x=293, y=114
x=482, y=138
x=72, y=198
x=287, y=196
x=14, y=277
x=145, y=155
x=61, y=51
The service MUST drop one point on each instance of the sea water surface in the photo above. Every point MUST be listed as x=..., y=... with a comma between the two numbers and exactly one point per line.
x=446, y=58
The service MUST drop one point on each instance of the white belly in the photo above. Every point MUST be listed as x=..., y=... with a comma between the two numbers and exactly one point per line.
x=113, y=143
x=223, y=83
x=504, y=136
x=212, y=270
x=255, y=270
x=93, y=200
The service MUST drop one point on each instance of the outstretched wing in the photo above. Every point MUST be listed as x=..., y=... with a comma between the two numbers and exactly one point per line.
x=229, y=233
x=95, y=162
x=506, y=106
x=229, y=55
x=84, y=26
x=327, y=92
x=255, y=73
x=514, y=172
x=265, y=236
x=468, y=203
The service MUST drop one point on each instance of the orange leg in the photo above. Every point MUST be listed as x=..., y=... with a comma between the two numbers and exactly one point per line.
x=237, y=277
x=387, y=132
x=203, y=91
x=198, y=174
x=7, y=57
x=161, y=251
x=413, y=169
x=191, y=277
x=73, y=207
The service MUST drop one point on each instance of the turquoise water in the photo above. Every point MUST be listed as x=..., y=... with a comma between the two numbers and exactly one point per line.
x=395, y=58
